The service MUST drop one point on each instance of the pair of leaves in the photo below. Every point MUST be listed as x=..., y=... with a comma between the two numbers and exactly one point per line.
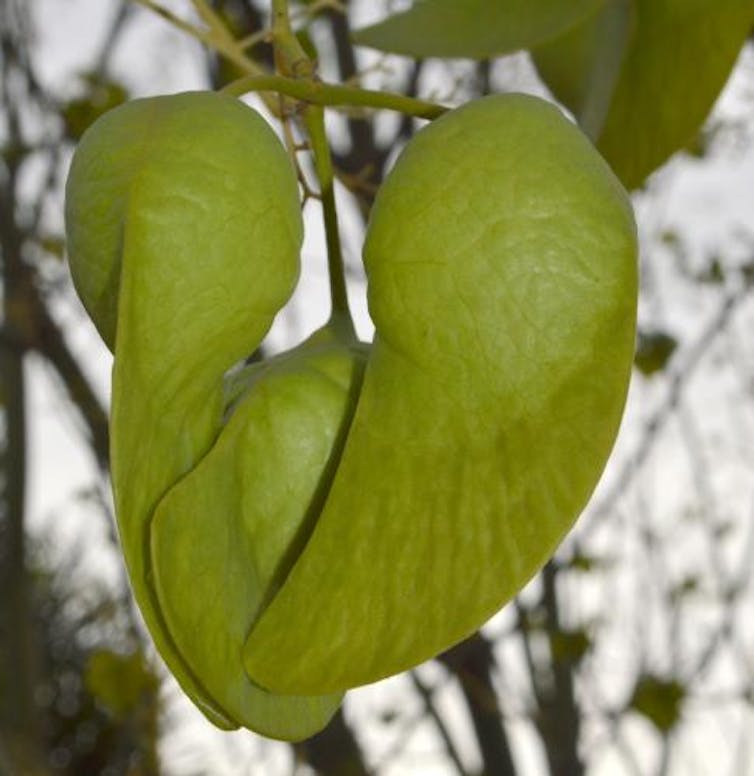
x=621, y=66
x=342, y=512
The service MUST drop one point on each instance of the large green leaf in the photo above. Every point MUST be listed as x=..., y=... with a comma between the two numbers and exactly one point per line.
x=473, y=28
x=230, y=529
x=584, y=67
x=501, y=259
x=184, y=229
x=678, y=59
x=339, y=513
x=120, y=682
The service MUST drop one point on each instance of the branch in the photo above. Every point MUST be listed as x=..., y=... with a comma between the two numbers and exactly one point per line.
x=19, y=722
x=334, y=751
x=678, y=380
x=472, y=662
x=332, y=95
x=360, y=130
x=49, y=342
x=558, y=720
x=425, y=693
x=36, y=330
x=217, y=37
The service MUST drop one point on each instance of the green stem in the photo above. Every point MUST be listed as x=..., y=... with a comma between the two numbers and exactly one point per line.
x=326, y=94
x=280, y=15
x=314, y=119
x=290, y=57
x=292, y=60
x=217, y=37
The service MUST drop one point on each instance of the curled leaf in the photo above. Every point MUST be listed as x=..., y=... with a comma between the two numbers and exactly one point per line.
x=501, y=260
x=678, y=55
x=184, y=229
x=340, y=512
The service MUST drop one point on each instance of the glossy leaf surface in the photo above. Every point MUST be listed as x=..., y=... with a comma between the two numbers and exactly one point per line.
x=473, y=28
x=678, y=58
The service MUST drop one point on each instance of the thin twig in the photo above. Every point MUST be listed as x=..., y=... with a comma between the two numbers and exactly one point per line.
x=425, y=693
x=331, y=95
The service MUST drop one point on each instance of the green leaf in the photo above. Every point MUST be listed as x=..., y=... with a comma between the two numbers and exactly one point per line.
x=653, y=351
x=501, y=258
x=102, y=95
x=184, y=228
x=659, y=700
x=475, y=28
x=569, y=647
x=119, y=682
x=52, y=245
x=583, y=67
x=657, y=107
x=338, y=513
x=713, y=273
x=586, y=563
x=686, y=587
x=262, y=478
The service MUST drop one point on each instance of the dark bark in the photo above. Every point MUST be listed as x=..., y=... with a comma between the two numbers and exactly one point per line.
x=558, y=720
x=48, y=340
x=334, y=751
x=364, y=161
x=425, y=693
x=19, y=724
x=472, y=661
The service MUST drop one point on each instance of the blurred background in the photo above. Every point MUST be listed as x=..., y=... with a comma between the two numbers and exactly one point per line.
x=632, y=652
